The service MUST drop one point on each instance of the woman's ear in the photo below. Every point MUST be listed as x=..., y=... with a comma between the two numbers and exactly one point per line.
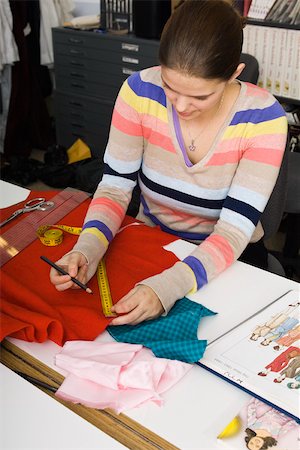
x=237, y=72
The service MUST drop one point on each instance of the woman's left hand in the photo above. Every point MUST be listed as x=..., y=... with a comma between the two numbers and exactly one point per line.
x=141, y=303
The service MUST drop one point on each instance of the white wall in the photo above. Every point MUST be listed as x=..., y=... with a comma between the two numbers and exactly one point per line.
x=86, y=7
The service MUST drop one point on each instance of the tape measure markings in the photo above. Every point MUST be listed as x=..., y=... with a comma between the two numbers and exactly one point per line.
x=104, y=289
x=21, y=235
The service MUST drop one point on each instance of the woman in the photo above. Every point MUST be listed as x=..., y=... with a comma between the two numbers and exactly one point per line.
x=205, y=150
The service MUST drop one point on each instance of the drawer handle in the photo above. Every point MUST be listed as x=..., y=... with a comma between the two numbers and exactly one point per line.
x=78, y=135
x=76, y=114
x=126, y=59
x=76, y=52
x=75, y=63
x=75, y=103
x=127, y=71
x=78, y=85
x=77, y=75
x=129, y=47
x=75, y=41
x=77, y=125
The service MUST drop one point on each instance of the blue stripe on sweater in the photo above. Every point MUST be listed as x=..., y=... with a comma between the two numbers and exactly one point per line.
x=101, y=227
x=130, y=176
x=181, y=234
x=258, y=115
x=146, y=89
x=181, y=196
x=198, y=269
x=243, y=208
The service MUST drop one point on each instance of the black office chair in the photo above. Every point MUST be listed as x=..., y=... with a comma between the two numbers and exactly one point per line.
x=289, y=257
x=251, y=70
x=273, y=213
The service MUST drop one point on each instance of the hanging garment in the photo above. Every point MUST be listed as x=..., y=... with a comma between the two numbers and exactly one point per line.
x=114, y=375
x=8, y=47
x=28, y=121
x=33, y=310
x=173, y=336
x=8, y=55
x=53, y=14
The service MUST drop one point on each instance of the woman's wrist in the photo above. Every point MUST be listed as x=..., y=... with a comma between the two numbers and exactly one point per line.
x=171, y=284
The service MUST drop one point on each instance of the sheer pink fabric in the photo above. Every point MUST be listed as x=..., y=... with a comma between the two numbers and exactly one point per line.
x=115, y=375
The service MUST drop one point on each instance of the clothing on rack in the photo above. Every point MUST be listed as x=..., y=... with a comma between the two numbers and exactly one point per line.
x=28, y=121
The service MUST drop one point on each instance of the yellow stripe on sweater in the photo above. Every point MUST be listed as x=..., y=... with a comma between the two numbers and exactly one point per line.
x=276, y=126
x=99, y=235
x=143, y=105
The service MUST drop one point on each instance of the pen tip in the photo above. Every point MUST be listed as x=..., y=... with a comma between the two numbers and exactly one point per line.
x=89, y=291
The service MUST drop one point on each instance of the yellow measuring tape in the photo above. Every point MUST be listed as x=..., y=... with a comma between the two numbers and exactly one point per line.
x=52, y=235
x=104, y=290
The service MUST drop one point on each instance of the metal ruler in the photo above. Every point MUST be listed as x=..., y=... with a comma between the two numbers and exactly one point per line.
x=18, y=237
x=104, y=290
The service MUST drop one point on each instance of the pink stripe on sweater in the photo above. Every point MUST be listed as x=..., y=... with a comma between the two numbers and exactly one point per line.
x=99, y=202
x=146, y=120
x=265, y=155
x=220, y=251
x=158, y=139
x=126, y=126
x=255, y=91
x=218, y=159
x=127, y=111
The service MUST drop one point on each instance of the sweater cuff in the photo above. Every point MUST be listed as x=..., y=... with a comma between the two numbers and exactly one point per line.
x=171, y=284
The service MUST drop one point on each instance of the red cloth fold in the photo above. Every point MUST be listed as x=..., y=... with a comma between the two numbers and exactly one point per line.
x=33, y=310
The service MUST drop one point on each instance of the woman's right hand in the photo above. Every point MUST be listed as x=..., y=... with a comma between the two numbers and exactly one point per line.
x=76, y=265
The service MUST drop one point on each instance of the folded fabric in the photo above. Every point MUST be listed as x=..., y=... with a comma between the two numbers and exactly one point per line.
x=115, y=375
x=33, y=310
x=173, y=336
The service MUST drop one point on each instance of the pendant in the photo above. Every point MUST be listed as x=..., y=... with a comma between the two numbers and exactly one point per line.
x=192, y=146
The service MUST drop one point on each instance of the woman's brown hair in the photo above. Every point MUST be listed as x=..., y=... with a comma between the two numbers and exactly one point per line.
x=203, y=38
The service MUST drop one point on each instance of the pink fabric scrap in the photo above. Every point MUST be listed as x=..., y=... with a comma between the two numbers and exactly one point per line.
x=115, y=375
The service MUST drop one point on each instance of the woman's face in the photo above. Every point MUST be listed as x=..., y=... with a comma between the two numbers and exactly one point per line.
x=255, y=443
x=191, y=96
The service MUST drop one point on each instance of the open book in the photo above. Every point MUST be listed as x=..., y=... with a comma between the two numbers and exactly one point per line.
x=258, y=426
x=262, y=355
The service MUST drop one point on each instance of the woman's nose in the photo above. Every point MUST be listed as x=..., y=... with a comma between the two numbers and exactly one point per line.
x=181, y=104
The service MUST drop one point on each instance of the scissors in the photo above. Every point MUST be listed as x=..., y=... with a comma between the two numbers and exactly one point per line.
x=39, y=203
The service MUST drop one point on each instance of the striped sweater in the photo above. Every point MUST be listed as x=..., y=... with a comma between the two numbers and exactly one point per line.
x=216, y=203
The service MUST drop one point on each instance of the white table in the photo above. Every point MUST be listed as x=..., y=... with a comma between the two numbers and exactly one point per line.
x=30, y=419
x=195, y=410
x=201, y=404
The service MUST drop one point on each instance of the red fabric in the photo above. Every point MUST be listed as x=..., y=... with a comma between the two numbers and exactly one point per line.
x=32, y=309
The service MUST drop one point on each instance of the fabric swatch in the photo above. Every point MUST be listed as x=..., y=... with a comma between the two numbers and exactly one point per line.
x=115, y=375
x=33, y=310
x=173, y=336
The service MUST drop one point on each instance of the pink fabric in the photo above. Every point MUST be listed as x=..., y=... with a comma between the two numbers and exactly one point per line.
x=115, y=375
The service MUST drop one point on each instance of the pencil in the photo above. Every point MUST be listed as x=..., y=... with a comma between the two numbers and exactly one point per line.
x=63, y=272
x=36, y=381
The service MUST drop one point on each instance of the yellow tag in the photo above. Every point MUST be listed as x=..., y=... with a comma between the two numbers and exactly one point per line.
x=78, y=152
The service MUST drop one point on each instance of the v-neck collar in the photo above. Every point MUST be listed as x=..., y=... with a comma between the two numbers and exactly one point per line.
x=177, y=137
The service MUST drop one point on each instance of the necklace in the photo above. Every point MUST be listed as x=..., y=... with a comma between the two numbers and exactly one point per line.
x=192, y=147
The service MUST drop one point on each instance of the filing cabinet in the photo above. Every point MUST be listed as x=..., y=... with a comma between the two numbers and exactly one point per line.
x=89, y=70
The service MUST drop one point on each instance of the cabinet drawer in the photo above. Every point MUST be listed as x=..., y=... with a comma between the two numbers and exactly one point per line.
x=111, y=43
x=96, y=142
x=90, y=59
x=80, y=104
x=82, y=120
x=107, y=89
x=111, y=73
